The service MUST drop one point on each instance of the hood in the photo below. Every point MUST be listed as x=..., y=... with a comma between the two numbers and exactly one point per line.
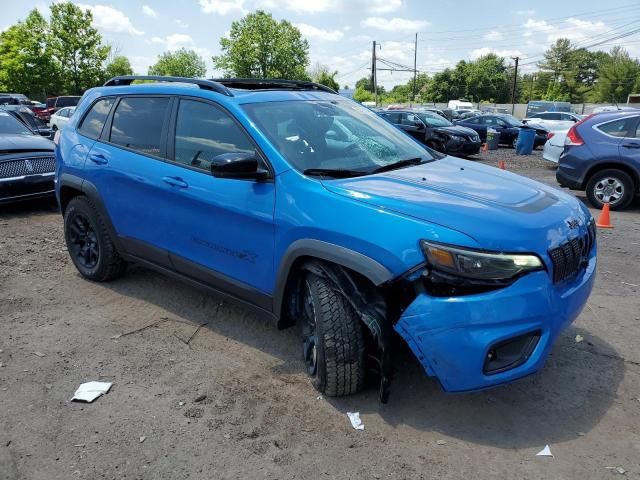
x=457, y=130
x=500, y=210
x=24, y=143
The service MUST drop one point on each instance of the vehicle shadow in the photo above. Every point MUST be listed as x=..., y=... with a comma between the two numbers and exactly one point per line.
x=29, y=207
x=569, y=396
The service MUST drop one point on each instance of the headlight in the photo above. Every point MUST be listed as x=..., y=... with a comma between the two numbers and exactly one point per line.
x=478, y=265
x=456, y=138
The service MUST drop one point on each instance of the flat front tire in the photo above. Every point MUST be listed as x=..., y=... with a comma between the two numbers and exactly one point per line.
x=332, y=338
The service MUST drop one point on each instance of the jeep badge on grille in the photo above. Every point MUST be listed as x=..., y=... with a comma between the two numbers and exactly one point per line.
x=573, y=223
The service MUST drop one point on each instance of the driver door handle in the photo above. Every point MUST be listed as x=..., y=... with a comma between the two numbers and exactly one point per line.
x=175, y=182
x=98, y=158
x=631, y=145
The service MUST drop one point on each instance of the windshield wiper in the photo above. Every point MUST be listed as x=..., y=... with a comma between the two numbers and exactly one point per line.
x=333, y=172
x=400, y=164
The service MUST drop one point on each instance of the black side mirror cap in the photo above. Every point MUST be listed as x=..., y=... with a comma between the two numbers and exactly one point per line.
x=240, y=165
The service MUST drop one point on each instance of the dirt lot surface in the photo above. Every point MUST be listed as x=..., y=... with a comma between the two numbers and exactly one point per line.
x=261, y=418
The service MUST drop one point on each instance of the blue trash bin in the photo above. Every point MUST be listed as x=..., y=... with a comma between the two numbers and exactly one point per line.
x=526, y=139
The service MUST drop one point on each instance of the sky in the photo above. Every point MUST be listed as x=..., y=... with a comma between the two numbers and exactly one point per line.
x=341, y=32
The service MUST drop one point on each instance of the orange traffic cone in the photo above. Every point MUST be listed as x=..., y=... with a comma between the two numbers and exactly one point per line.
x=485, y=147
x=604, y=220
x=501, y=165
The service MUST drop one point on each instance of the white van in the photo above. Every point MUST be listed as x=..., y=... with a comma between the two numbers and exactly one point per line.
x=460, y=105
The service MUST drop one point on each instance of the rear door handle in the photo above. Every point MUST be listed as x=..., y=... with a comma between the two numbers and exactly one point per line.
x=175, y=182
x=98, y=158
x=631, y=145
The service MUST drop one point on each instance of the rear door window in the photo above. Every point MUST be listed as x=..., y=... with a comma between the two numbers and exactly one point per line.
x=96, y=116
x=138, y=124
x=392, y=117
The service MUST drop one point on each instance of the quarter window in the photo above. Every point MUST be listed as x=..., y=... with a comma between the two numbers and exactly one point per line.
x=203, y=132
x=138, y=122
x=95, y=118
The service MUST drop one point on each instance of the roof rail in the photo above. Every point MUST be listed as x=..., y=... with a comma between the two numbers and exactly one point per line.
x=203, y=84
x=271, y=84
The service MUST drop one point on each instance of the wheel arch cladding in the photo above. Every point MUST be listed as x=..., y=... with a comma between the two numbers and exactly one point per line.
x=309, y=249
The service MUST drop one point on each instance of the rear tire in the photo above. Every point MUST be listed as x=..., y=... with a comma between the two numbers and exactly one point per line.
x=610, y=186
x=333, y=341
x=89, y=244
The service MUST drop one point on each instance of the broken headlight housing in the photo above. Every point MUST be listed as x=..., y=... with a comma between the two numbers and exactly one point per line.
x=478, y=265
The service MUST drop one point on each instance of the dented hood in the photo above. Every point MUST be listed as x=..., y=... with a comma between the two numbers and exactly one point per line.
x=499, y=209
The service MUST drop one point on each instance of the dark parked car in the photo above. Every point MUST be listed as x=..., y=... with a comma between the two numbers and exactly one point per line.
x=26, y=116
x=602, y=157
x=27, y=163
x=13, y=99
x=508, y=126
x=435, y=131
x=56, y=103
x=451, y=114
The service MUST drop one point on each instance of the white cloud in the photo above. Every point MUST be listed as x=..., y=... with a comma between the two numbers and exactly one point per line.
x=494, y=35
x=574, y=29
x=383, y=6
x=319, y=33
x=222, y=7
x=176, y=41
x=180, y=23
x=480, y=52
x=150, y=12
x=394, y=24
x=111, y=20
x=525, y=12
x=308, y=6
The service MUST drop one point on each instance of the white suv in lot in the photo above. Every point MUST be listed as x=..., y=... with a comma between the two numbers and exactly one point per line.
x=61, y=118
x=553, y=121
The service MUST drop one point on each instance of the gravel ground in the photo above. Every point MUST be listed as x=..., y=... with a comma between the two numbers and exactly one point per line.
x=209, y=390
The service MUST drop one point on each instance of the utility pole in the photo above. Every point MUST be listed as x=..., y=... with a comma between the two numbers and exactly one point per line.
x=515, y=82
x=415, y=61
x=374, y=80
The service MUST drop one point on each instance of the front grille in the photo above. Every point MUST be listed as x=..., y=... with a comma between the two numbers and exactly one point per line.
x=27, y=166
x=571, y=257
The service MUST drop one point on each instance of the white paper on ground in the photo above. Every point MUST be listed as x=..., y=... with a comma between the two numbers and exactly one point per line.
x=355, y=420
x=88, y=392
x=545, y=452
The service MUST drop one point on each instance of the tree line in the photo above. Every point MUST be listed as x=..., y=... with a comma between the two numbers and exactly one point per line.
x=566, y=73
x=67, y=55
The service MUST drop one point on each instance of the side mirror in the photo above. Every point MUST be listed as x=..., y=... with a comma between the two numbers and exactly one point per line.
x=239, y=166
x=418, y=125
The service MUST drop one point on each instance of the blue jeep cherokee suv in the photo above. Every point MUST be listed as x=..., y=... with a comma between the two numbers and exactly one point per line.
x=312, y=209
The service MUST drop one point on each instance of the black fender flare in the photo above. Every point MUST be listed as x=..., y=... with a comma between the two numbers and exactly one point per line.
x=91, y=192
x=319, y=250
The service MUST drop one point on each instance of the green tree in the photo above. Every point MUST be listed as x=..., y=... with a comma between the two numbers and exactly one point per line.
x=361, y=94
x=259, y=46
x=322, y=75
x=26, y=63
x=120, y=65
x=487, y=79
x=619, y=76
x=76, y=47
x=181, y=63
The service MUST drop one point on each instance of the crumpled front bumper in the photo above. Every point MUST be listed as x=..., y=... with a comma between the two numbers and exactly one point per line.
x=452, y=336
